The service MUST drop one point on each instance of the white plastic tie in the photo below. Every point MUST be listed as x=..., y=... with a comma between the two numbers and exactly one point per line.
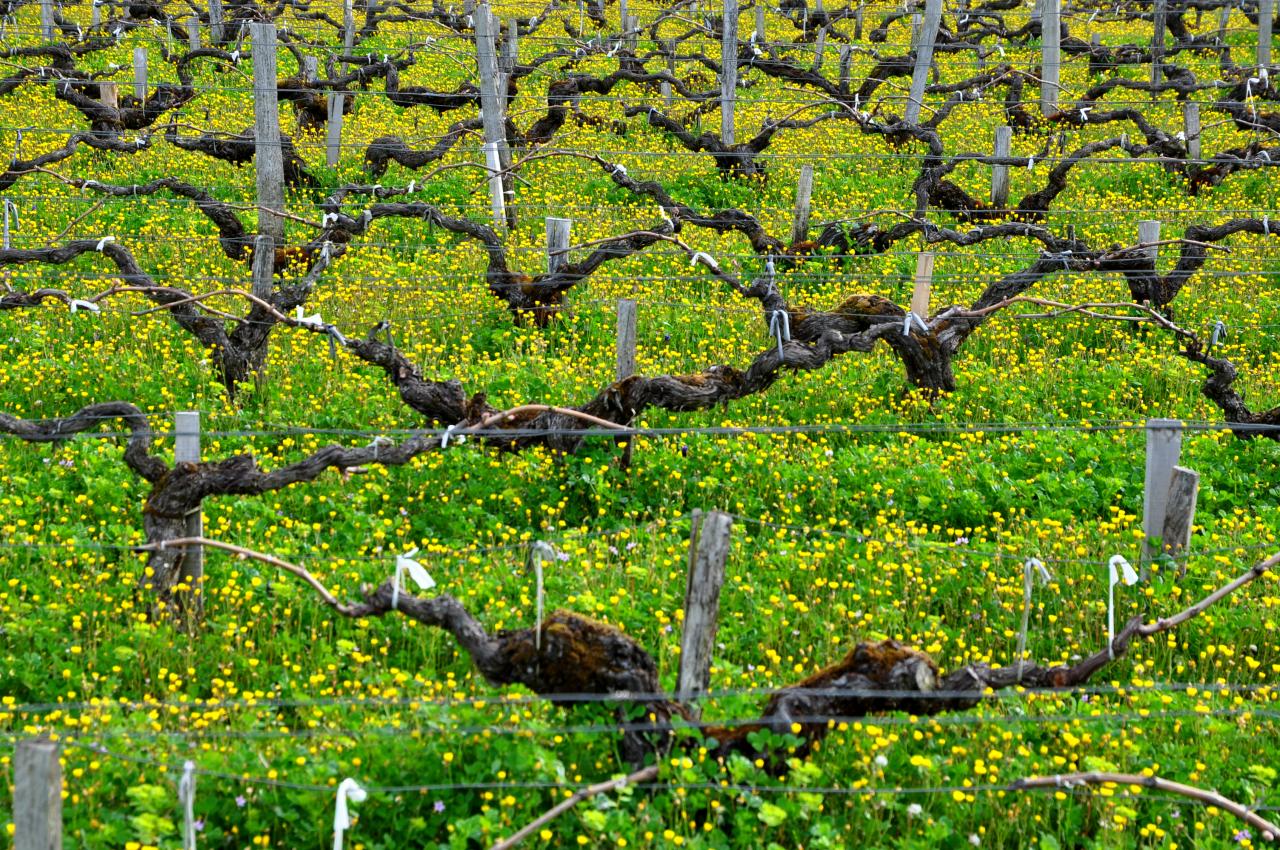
x=187, y=797
x=1266, y=225
x=102, y=243
x=329, y=218
x=1121, y=570
x=780, y=327
x=1084, y=114
x=77, y=304
x=1031, y=163
x=620, y=169
x=912, y=319
x=406, y=563
x=1031, y=568
x=412, y=184
x=348, y=790
x=313, y=320
x=365, y=218
x=378, y=442
x=539, y=550
x=449, y=435
x=1219, y=333
x=704, y=258
x=235, y=56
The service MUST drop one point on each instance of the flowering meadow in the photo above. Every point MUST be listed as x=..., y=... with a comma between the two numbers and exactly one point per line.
x=866, y=505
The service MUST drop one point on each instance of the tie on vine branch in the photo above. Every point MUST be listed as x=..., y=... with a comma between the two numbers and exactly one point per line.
x=575, y=655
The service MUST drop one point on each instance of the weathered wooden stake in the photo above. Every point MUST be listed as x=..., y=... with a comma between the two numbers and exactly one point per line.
x=1224, y=17
x=492, y=108
x=558, y=235
x=1157, y=41
x=819, y=49
x=37, y=796
x=140, y=74
x=216, y=31
x=95, y=18
x=760, y=25
x=626, y=339
x=708, y=551
x=921, y=292
x=108, y=94
x=1191, y=129
x=333, y=129
x=846, y=54
x=1148, y=232
x=348, y=25
x=665, y=87
x=1000, y=173
x=804, y=196
x=1050, y=55
x=264, y=262
x=631, y=26
x=268, y=157
x=1164, y=445
x=729, y=70
x=47, y=25
x=1180, y=511
x=1266, y=11
x=193, y=32
x=857, y=23
x=924, y=58
x=186, y=429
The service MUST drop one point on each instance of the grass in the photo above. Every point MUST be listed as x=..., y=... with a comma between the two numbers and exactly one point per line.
x=842, y=536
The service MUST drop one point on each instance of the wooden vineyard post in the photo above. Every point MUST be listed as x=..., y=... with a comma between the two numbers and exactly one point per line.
x=333, y=128
x=626, y=362
x=626, y=339
x=558, y=235
x=665, y=87
x=1191, y=129
x=193, y=32
x=804, y=196
x=46, y=20
x=1000, y=173
x=631, y=29
x=1050, y=55
x=348, y=26
x=140, y=74
x=1266, y=10
x=759, y=31
x=1148, y=233
x=819, y=48
x=186, y=430
x=728, y=70
x=268, y=155
x=924, y=58
x=1180, y=512
x=491, y=113
x=1157, y=41
x=216, y=32
x=1164, y=445
x=108, y=94
x=37, y=796
x=922, y=290
x=708, y=551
